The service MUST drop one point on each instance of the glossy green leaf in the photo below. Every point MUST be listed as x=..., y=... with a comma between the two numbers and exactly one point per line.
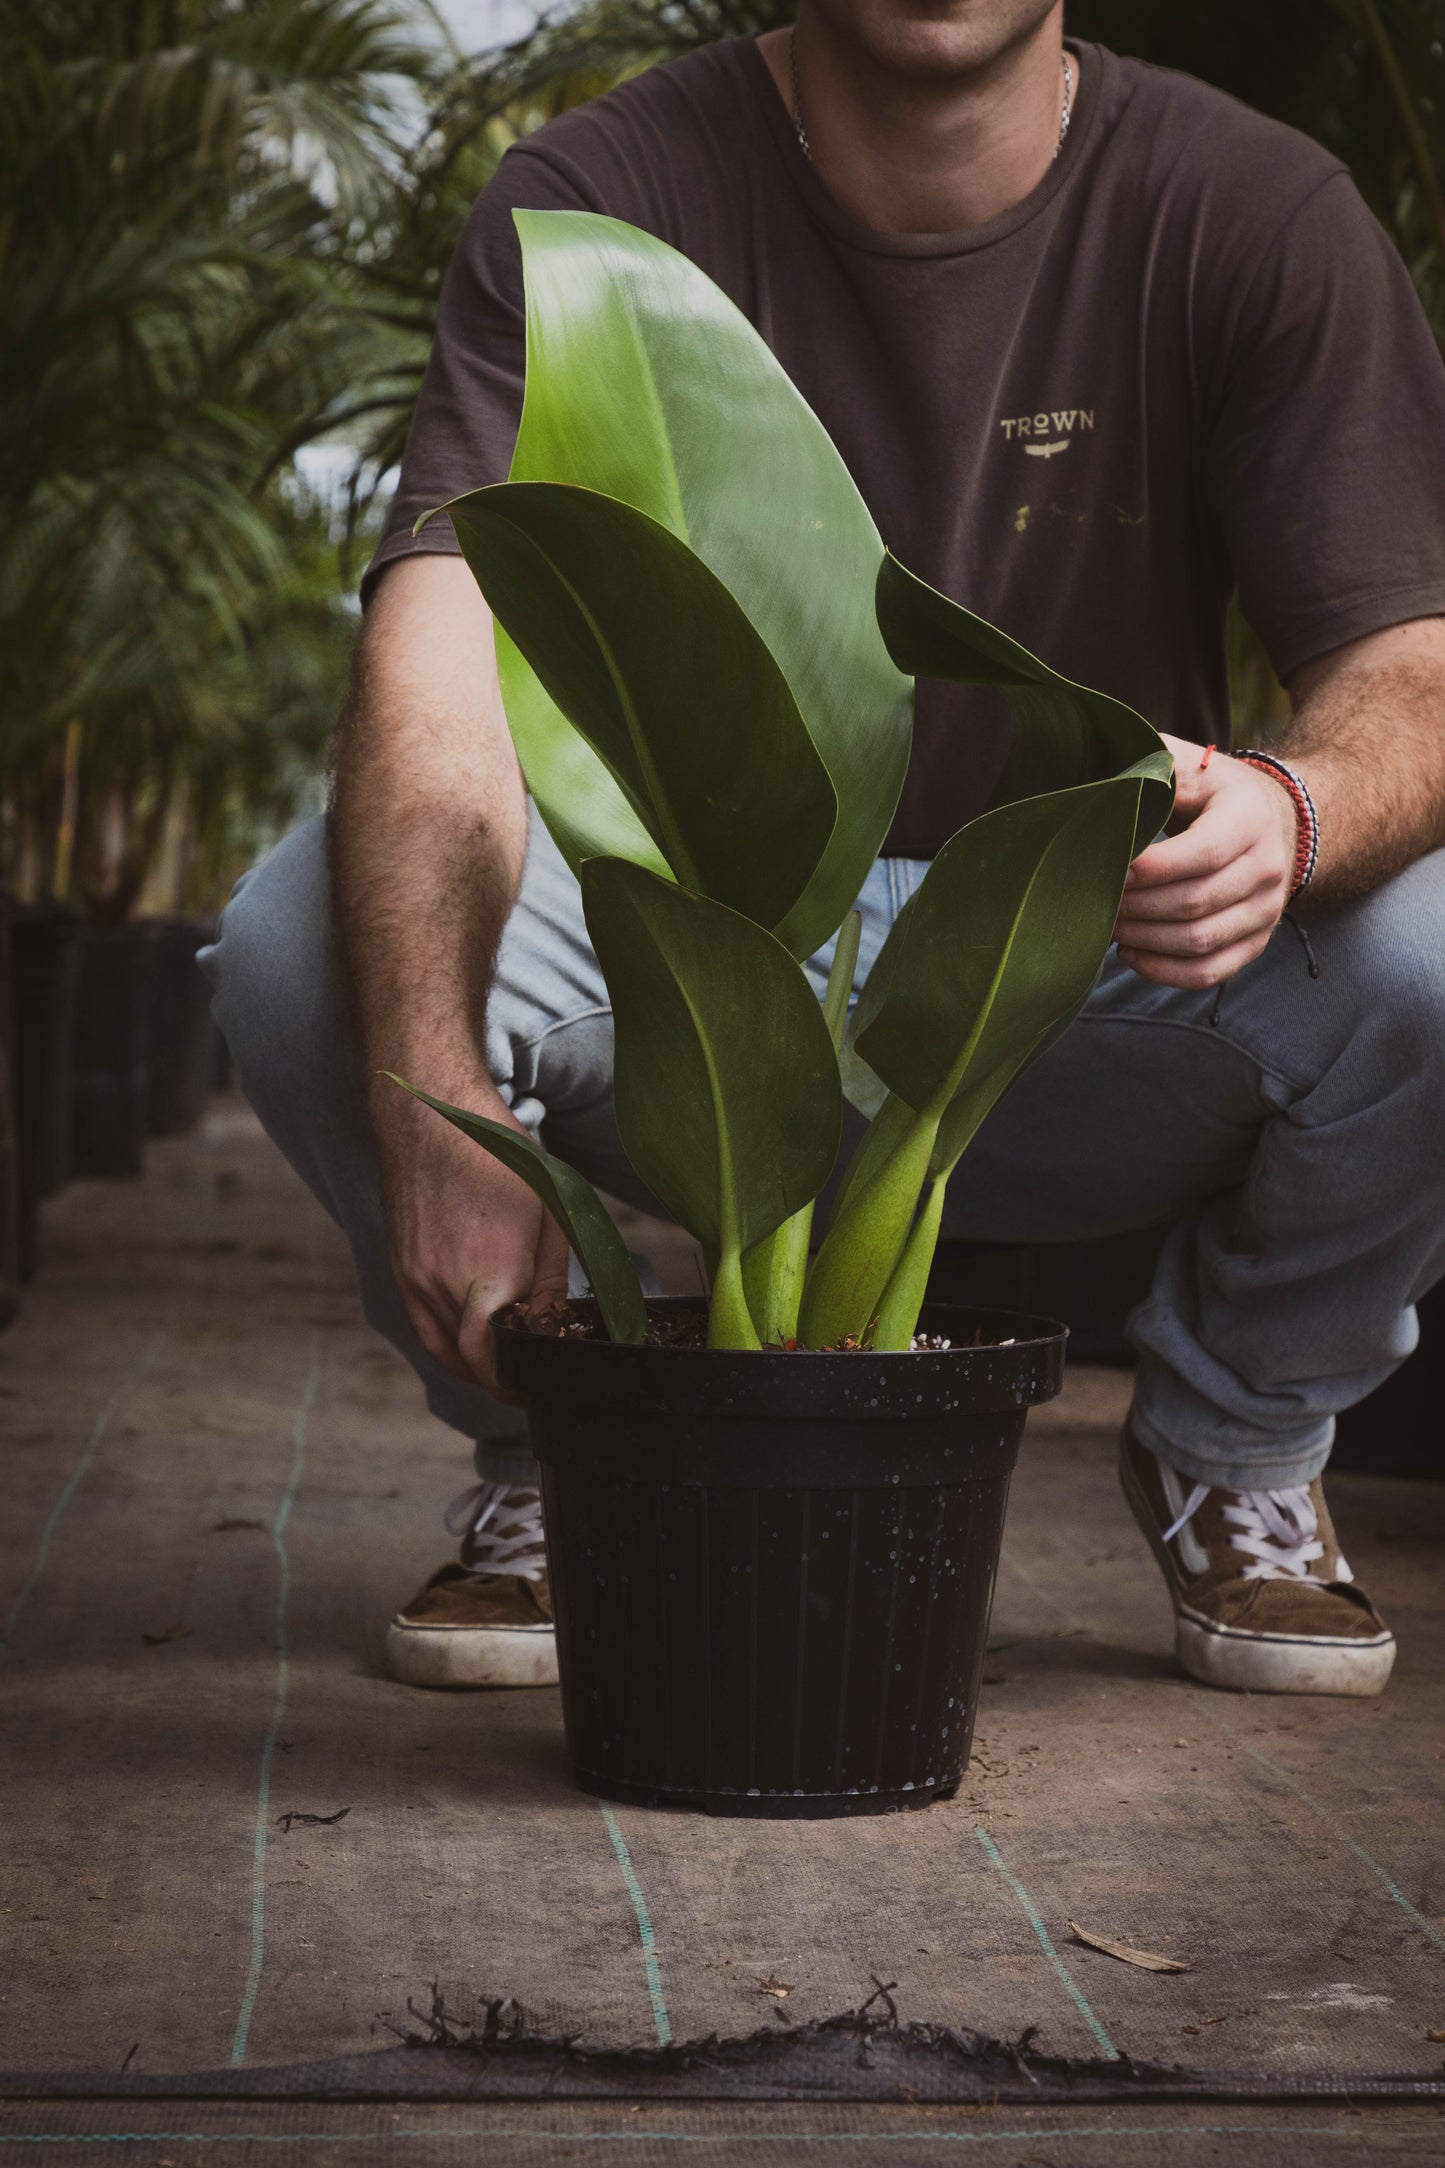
x=1063, y=733
x=572, y=1202
x=725, y=1080
x=1004, y=936
x=583, y=807
x=646, y=384
x=647, y=654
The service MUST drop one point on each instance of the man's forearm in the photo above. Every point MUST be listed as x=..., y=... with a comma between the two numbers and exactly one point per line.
x=428, y=836
x=1368, y=736
x=428, y=823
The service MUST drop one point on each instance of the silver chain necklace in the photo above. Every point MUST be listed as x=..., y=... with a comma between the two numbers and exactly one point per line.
x=1066, y=111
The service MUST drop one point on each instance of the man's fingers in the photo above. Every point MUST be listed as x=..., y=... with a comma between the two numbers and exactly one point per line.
x=1197, y=936
x=439, y=1340
x=474, y=1335
x=1213, y=842
x=1242, y=817
x=550, y=1269
x=1181, y=901
x=1193, y=975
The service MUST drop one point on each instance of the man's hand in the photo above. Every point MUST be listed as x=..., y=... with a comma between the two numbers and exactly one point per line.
x=467, y=1236
x=1202, y=904
x=1367, y=738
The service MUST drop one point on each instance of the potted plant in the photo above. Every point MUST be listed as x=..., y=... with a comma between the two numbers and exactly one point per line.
x=773, y=1519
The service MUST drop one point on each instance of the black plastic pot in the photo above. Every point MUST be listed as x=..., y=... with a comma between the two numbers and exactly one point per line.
x=112, y=1049
x=182, y=1037
x=45, y=979
x=9, y=1141
x=773, y=1572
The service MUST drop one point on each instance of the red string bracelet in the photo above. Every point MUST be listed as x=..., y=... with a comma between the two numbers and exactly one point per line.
x=1307, y=820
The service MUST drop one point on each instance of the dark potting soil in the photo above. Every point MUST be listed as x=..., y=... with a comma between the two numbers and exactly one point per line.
x=687, y=1328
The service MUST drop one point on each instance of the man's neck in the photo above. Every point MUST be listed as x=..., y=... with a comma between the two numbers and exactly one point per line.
x=907, y=153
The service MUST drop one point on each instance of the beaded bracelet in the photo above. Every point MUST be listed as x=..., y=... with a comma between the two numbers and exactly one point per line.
x=1307, y=820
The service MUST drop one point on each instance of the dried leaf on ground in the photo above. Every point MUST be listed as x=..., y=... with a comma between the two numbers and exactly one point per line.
x=774, y=1986
x=1145, y=1959
x=1435, y=2036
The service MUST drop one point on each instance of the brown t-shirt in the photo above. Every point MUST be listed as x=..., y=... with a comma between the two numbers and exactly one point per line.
x=1190, y=360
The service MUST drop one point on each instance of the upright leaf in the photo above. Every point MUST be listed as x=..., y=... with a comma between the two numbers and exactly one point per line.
x=1063, y=734
x=725, y=1080
x=648, y=655
x=1005, y=935
x=645, y=383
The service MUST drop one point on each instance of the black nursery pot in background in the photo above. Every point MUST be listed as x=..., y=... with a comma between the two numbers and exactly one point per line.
x=773, y=1572
x=182, y=1037
x=45, y=967
x=112, y=1049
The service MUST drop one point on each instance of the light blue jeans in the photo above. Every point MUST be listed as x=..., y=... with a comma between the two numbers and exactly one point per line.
x=1295, y=1146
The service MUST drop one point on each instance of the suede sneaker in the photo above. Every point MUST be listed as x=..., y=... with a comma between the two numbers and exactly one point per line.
x=1263, y=1599
x=485, y=1618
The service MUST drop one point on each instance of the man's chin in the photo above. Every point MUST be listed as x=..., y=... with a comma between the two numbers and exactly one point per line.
x=953, y=39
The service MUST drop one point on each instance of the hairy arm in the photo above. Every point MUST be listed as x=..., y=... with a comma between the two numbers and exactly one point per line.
x=428, y=835
x=1368, y=736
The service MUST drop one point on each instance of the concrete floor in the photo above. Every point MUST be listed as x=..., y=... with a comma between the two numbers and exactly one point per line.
x=218, y=1486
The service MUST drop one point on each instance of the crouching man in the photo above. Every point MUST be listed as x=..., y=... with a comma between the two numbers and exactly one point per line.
x=1100, y=347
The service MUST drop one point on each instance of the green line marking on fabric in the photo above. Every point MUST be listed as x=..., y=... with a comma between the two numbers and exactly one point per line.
x=660, y=2017
x=1046, y=1942
x=466, y=2134
x=1432, y=1933
x=278, y=1709
x=78, y=1475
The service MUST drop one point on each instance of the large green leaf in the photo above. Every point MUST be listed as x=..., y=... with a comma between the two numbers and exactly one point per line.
x=572, y=1202
x=645, y=383
x=1004, y=936
x=1063, y=733
x=646, y=652
x=583, y=807
x=725, y=1079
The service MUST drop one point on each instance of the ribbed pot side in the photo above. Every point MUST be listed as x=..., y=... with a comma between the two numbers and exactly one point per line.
x=773, y=1572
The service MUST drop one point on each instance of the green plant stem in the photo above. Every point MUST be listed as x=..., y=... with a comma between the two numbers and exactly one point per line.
x=865, y=1240
x=882, y=1138
x=730, y=1321
x=840, y=977
x=903, y=1297
x=774, y=1271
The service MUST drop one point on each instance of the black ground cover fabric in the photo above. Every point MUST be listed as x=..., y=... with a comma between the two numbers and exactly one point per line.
x=217, y=1488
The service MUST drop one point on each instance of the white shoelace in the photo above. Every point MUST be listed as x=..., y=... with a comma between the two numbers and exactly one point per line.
x=518, y=1548
x=1278, y=1529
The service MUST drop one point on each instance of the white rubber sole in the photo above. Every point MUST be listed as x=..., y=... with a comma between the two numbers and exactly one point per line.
x=1251, y=1663
x=1281, y=1663
x=471, y=1655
